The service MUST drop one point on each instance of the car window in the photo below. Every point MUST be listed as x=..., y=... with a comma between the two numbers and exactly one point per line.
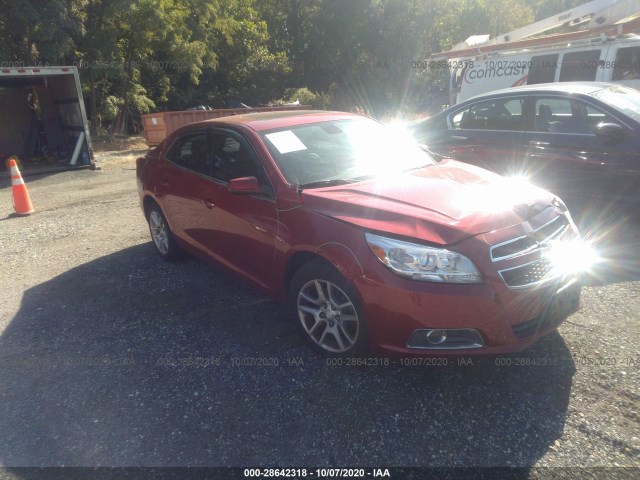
x=580, y=66
x=191, y=151
x=543, y=69
x=495, y=114
x=233, y=158
x=565, y=115
x=627, y=64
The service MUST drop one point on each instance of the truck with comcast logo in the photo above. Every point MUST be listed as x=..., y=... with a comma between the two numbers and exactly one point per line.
x=605, y=48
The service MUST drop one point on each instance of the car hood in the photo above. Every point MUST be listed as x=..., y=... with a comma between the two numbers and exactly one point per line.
x=444, y=203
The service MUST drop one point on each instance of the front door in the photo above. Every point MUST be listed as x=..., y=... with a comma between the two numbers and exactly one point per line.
x=242, y=233
x=487, y=134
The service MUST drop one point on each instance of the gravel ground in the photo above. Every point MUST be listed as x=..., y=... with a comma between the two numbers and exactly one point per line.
x=111, y=357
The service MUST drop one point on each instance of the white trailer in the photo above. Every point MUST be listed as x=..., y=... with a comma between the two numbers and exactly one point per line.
x=42, y=117
x=606, y=49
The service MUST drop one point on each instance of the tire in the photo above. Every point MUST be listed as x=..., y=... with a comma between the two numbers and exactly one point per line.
x=161, y=235
x=327, y=311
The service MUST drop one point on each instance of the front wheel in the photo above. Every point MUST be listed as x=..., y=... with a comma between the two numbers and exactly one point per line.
x=327, y=311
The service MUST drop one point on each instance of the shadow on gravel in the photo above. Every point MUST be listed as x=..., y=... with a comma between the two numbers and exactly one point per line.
x=130, y=361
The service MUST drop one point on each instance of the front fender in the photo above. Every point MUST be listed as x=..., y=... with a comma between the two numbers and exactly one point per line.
x=342, y=258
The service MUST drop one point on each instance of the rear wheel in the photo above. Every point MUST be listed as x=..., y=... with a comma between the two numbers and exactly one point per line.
x=161, y=234
x=327, y=311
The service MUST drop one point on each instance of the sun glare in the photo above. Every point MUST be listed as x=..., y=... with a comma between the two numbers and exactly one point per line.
x=572, y=257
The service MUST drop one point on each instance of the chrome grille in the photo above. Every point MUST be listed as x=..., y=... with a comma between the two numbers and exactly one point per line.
x=530, y=242
x=536, y=271
x=529, y=274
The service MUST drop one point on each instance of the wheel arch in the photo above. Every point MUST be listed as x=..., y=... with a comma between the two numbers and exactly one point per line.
x=295, y=263
x=335, y=254
x=147, y=203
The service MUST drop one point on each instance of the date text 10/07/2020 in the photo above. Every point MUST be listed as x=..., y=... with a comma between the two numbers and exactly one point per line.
x=317, y=472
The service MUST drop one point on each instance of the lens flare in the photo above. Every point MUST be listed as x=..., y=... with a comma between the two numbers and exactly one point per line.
x=572, y=257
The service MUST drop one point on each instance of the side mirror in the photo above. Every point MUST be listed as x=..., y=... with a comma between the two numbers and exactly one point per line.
x=244, y=186
x=611, y=131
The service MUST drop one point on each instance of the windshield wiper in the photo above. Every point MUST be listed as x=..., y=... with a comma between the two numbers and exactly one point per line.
x=325, y=183
x=334, y=181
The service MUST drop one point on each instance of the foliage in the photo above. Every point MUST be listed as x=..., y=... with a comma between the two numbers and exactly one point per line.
x=137, y=56
x=36, y=32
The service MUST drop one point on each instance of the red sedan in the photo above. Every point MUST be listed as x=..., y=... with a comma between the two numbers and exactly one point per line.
x=371, y=242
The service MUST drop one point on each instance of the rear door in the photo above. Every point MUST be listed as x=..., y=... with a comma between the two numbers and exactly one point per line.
x=185, y=180
x=566, y=155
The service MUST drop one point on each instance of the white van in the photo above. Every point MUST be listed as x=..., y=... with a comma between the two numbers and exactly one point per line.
x=603, y=60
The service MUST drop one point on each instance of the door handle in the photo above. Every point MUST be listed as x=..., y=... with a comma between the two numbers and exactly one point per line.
x=164, y=182
x=209, y=204
x=535, y=143
x=459, y=137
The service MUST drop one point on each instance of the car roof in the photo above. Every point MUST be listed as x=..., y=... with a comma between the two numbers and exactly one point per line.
x=580, y=88
x=282, y=119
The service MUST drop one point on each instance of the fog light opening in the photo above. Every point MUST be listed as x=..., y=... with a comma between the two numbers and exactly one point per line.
x=436, y=337
x=441, y=339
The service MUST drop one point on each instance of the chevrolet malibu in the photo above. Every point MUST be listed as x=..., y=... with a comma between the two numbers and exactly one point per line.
x=371, y=243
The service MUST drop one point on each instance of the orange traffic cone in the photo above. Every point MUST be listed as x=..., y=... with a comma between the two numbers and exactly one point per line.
x=21, y=200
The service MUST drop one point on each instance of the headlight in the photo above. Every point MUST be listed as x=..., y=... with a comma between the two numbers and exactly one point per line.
x=427, y=264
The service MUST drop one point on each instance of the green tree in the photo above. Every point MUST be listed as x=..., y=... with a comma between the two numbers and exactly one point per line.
x=247, y=67
x=130, y=42
x=175, y=53
x=36, y=32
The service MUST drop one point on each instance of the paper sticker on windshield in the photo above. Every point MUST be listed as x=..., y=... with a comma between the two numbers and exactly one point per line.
x=286, y=141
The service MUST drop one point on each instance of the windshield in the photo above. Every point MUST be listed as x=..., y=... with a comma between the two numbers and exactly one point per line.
x=342, y=151
x=625, y=99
